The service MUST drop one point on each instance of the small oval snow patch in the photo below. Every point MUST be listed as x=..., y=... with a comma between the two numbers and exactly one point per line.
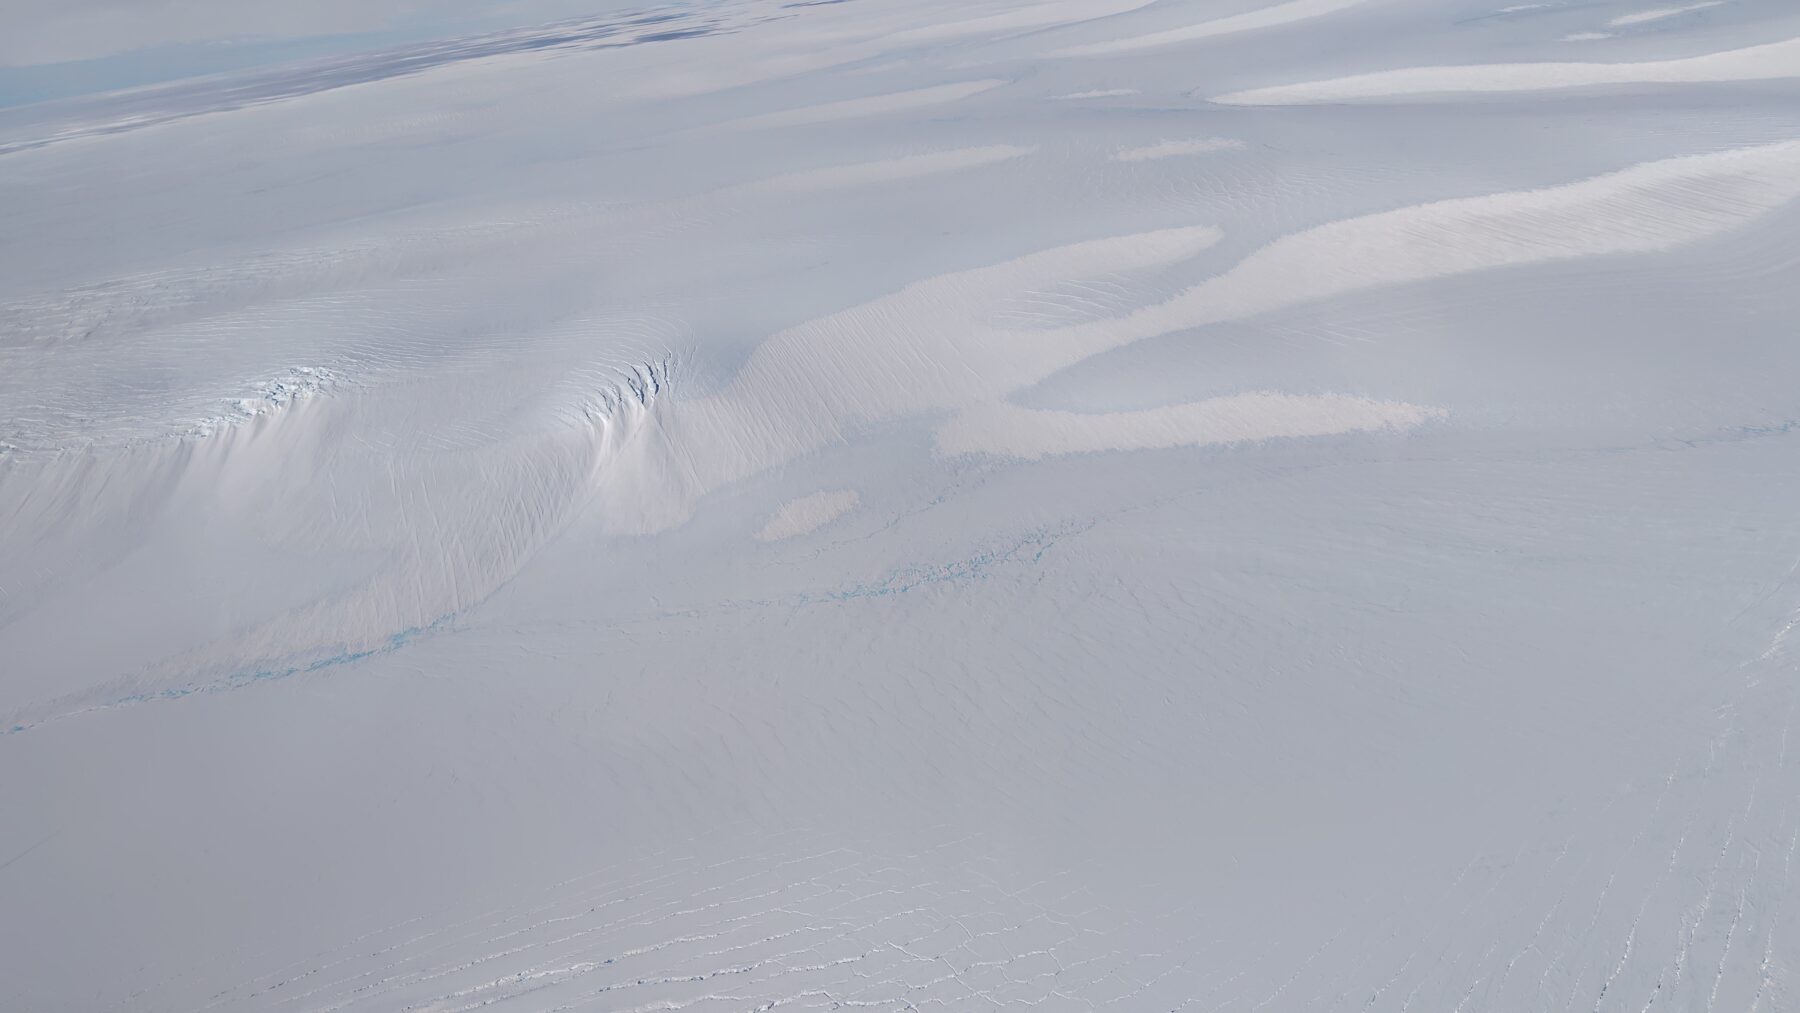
x=808, y=513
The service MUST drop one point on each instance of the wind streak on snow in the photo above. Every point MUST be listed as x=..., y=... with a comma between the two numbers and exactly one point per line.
x=1269, y=17
x=1644, y=209
x=1658, y=13
x=935, y=346
x=1008, y=430
x=1173, y=149
x=1754, y=63
x=1096, y=93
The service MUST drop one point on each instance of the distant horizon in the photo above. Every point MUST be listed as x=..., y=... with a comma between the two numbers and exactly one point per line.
x=175, y=61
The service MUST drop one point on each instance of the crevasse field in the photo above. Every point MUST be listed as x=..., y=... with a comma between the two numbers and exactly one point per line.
x=1130, y=505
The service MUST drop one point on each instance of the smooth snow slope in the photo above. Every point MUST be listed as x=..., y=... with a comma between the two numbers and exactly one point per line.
x=1201, y=505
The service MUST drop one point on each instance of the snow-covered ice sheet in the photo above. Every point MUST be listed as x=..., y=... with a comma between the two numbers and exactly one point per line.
x=898, y=504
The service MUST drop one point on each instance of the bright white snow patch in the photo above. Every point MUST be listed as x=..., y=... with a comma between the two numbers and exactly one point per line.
x=1754, y=63
x=1010, y=431
x=1098, y=93
x=1658, y=13
x=806, y=514
x=1171, y=149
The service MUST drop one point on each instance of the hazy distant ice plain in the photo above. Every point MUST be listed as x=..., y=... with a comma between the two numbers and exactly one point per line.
x=1112, y=505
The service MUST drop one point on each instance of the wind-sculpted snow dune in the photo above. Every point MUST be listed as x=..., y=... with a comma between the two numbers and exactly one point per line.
x=1752, y=63
x=907, y=505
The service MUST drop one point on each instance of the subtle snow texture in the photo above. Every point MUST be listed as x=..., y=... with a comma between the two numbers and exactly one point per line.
x=1172, y=149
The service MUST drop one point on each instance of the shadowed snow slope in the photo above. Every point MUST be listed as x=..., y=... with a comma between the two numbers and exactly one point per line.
x=767, y=505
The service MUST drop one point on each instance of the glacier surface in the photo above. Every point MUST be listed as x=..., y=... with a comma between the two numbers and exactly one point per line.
x=1201, y=505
